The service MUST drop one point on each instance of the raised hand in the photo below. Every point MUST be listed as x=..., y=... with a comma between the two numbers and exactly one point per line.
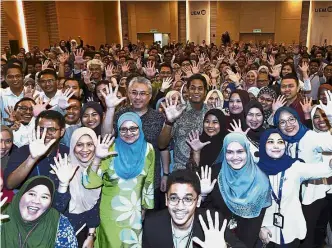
x=275, y=72
x=90, y=99
x=231, y=59
x=271, y=60
x=201, y=59
x=214, y=238
x=172, y=111
x=63, y=58
x=150, y=70
x=45, y=64
x=217, y=104
x=205, y=180
x=79, y=56
x=304, y=68
x=37, y=144
x=220, y=58
x=16, y=126
x=233, y=77
x=328, y=107
x=63, y=99
x=87, y=77
x=109, y=71
x=103, y=146
x=265, y=235
x=237, y=128
x=11, y=114
x=138, y=64
x=40, y=106
x=29, y=92
x=3, y=201
x=194, y=67
x=63, y=169
x=111, y=99
x=187, y=71
x=194, y=141
x=306, y=105
x=280, y=102
x=125, y=67
x=167, y=82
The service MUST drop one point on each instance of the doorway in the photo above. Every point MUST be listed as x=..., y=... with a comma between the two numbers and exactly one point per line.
x=149, y=38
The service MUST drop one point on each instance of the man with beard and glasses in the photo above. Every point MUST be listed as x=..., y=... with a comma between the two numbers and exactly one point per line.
x=181, y=225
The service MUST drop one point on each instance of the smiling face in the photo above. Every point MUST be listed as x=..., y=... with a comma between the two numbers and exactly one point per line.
x=320, y=120
x=181, y=214
x=91, y=118
x=196, y=91
x=139, y=96
x=6, y=143
x=250, y=78
x=72, y=115
x=53, y=129
x=35, y=202
x=289, y=89
x=275, y=146
x=211, y=125
x=84, y=149
x=235, y=104
x=129, y=132
x=212, y=99
x=288, y=124
x=24, y=112
x=286, y=70
x=254, y=118
x=236, y=155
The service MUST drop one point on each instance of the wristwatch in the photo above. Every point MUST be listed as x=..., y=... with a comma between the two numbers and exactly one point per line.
x=92, y=235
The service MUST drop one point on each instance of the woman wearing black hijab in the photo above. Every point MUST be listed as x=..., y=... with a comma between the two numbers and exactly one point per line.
x=206, y=147
x=237, y=100
x=92, y=116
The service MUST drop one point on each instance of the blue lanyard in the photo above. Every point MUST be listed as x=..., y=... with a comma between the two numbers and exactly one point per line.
x=278, y=199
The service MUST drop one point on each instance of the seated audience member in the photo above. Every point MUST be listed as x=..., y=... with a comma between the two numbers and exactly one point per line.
x=34, y=159
x=179, y=223
x=32, y=220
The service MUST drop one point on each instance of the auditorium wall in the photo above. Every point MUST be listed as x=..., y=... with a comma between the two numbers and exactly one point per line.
x=281, y=18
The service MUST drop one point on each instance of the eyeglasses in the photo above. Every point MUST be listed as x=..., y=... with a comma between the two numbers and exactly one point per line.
x=139, y=93
x=263, y=99
x=50, y=81
x=25, y=109
x=165, y=73
x=291, y=120
x=49, y=130
x=187, y=200
x=124, y=130
x=12, y=77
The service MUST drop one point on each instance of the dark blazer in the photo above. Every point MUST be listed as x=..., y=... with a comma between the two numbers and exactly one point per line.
x=157, y=230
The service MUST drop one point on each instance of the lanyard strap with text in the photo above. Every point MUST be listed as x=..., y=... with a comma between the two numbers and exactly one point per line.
x=278, y=199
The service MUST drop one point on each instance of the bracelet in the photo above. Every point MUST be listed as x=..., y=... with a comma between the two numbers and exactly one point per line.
x=165, y=174
x=168, y=123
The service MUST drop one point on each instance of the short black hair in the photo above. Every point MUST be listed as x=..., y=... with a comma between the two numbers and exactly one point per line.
x=73, y=97
x=12, y=66
x=314, y=61
x=48, y=72
x=199, y=77
x=166, y=65
x=71, y=79
x=52, y=115
x=291, y=76
x=184, y=177
x=23, y=100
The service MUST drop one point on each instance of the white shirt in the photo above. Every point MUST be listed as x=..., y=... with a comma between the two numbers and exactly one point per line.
x=21, y=136
x=54, y=99
x=291, y=209
x=311, y=148
x=8, y=98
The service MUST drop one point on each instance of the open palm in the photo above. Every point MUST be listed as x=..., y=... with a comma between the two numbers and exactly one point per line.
x=103, y=146
x=194, y=141
x=172, y=111
x=111, y=100
x=37, y=144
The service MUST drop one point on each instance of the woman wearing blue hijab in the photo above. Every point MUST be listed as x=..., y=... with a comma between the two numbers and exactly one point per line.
x=286, y=205
x=127, y=183
x=243, y=191
x=303, y=143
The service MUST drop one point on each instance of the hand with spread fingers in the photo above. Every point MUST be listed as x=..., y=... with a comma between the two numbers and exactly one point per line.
x=37, y=144
x=111, y=99
x=194, y=142
x=63, y=99
x=172, y=110
x=63, y=169
x=205, y=180
x=236, y=128
x=214, y=238
x=103, y=146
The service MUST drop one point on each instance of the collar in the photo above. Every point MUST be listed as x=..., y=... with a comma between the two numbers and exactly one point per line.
x=8, y=92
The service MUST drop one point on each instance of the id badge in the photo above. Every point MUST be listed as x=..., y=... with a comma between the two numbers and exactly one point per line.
x=278, y=220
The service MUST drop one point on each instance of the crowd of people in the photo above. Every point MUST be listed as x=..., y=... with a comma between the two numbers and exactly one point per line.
x=185, y=145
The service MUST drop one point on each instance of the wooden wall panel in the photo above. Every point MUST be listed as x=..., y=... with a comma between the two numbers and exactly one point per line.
x=182, y=21
x=4, y=29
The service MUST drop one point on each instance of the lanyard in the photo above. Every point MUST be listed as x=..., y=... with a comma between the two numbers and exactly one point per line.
x=57, y=155
x=278, y=199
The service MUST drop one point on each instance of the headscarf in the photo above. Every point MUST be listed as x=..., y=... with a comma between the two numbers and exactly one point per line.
x=270, y=92
x=246, y=87
x=131, y=157
x=210, y=152
x=263, y=67
x=40, y=233
x=4, y=160
x=302, y=130
x=82, y=199
x=254, y=91
x=244, y=96
x=254, y=134
x=98, y=108
x=268, y=165
x=232, y=87
x=221, y=97
x=313, y=111
x=171, y=93
x=246, y=191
